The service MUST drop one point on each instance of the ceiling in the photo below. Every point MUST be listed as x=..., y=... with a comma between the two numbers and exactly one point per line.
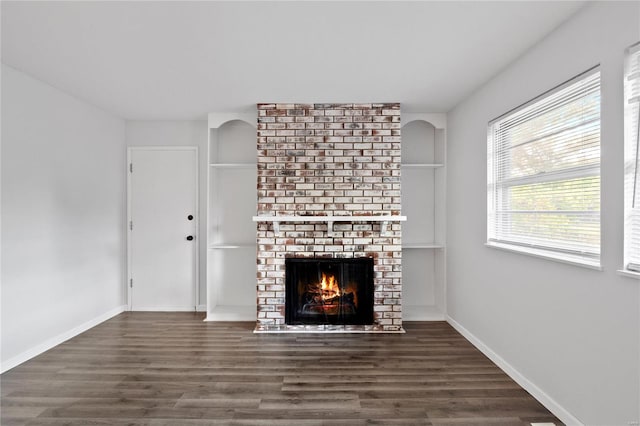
x=152, y=60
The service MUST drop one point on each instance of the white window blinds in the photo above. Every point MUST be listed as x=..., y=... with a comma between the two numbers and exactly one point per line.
x=544, y=173
x=632, y=163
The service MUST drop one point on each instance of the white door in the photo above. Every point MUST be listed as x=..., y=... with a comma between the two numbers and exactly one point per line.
x=162, y=228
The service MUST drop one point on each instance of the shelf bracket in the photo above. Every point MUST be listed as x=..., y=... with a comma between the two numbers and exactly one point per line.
x=330, y=228
x=384, y=228
x=276, y=228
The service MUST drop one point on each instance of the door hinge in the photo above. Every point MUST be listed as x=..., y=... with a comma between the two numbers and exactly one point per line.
x=131, y=282
x=130, y=167
x=130, y=225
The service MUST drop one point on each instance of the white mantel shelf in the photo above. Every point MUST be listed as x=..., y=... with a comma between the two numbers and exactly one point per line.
x=330, y=221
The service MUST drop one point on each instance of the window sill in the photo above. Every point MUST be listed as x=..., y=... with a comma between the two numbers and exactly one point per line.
x=543, y=254
x=630, y=274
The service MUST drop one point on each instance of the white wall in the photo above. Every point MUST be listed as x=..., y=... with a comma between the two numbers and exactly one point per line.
x=179, y=133
x=62, y=216
x=572, y=332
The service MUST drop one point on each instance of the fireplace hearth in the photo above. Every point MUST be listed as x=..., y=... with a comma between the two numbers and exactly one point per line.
x=329, y=291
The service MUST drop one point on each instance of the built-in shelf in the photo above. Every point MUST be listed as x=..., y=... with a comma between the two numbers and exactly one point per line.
x=231, y=246
x=422, y=165
x=422, y=246
x=634, y=100
x=231, y=243
x=233, y=165
x=330, y=220
x=423, y=201
x=633, y=76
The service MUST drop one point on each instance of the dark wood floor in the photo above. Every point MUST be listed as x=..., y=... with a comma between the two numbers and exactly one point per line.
x=173, y=369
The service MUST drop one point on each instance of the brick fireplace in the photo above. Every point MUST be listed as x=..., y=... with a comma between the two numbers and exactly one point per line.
x=339, y=162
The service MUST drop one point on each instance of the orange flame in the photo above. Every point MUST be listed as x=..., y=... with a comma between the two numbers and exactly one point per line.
x=329, y=286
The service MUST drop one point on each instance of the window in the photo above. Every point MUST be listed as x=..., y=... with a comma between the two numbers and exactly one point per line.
x=631, y=162
x=544, y=174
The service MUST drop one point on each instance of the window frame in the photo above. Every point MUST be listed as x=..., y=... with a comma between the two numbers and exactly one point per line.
x=498, y=187
x=631, y=165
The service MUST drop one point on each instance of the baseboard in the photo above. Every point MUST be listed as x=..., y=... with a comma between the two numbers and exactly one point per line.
x=560, y=412
x=201, y=308
x=164, y=309
x=54, y=341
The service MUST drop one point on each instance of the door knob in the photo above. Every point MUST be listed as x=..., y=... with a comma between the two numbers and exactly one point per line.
x=190, y=238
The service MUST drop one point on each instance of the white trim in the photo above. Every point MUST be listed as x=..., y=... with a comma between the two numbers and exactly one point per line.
x=627, y=273
x=130, y=149
x=60, y=338
x=201, y=308
x=196, y=213
x=633, y=48
x=553, y=176
x=560, y=412
x=166, y=309
x=127, y=282
x=409, y=246
x=544, y=254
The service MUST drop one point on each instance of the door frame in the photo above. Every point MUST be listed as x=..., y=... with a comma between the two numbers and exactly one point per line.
x=130, y=150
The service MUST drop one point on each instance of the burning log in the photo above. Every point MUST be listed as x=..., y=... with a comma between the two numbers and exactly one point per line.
x=318, y=299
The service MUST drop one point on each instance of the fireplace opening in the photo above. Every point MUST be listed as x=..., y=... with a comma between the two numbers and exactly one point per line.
x=329, y=291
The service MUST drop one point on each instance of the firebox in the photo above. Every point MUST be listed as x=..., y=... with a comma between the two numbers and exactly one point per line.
x=329, y=291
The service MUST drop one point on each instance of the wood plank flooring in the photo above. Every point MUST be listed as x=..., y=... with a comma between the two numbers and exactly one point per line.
x=174, y=369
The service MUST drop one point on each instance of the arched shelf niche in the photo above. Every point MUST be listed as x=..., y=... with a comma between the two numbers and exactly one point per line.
x=231, y=234
x=233, y=142
x=418, y=143
x=423, y=202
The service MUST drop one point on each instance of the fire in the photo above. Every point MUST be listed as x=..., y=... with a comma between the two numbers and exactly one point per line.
x=329, y=287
